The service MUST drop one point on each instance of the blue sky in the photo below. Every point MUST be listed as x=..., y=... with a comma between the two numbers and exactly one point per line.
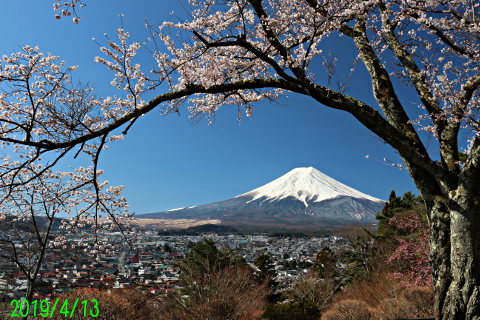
x=166, y=162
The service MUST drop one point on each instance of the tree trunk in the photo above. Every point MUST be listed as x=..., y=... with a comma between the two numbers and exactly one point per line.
x=29, y=298
x=455, y=256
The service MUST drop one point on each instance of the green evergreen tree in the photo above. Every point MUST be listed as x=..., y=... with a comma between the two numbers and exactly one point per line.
x=266, y=274
x=265, y=268
x=406, y=204
x=325, y=264
x=205, y=258
x=388, y=210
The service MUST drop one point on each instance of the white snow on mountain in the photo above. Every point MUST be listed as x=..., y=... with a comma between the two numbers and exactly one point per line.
x=180, y=209
x=306, y=184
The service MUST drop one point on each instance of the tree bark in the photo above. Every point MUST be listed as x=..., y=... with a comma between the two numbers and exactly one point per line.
x=29, y=298
x=439, y=218
x=462, y=297
x=455, y=254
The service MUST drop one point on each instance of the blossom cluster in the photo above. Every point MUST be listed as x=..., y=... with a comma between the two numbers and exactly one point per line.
x=43, y=111
x=68, y=8
x=412, y=251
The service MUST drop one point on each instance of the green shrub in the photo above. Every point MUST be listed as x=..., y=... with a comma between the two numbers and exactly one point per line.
x=304, y=310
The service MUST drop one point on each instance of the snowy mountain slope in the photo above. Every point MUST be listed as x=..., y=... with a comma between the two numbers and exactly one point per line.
x=303, y=195
x=306, y=184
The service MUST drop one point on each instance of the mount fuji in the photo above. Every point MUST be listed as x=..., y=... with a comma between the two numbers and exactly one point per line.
x=303, y=196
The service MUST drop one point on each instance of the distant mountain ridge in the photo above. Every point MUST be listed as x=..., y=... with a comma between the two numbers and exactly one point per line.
x=302, y=196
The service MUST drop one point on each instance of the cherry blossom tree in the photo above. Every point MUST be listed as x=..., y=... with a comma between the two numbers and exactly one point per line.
x=30, y=227
x=39, y=101
x=239, y=52
x=412, y=251
x=25, y=236
x=40, y=106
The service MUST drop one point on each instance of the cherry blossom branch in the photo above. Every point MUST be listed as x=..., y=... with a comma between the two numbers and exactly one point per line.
x=242, y=42
x=273, y=39
x=69, y=9
x=382, y=86
x=448, y=142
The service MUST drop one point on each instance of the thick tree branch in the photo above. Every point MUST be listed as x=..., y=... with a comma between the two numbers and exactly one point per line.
x=469, y=88
x=382, y=86
x=410, y=65
x=147, y=107
x=372, y=119
x=470, y=173
x=448, y=136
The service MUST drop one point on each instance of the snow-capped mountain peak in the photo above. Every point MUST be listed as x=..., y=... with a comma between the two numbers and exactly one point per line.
x=304, y=197
x=306, y=184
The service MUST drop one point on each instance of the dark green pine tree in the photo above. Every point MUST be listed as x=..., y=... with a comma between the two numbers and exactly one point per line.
x=265, y=268
x=325, y=264
x=406, y=204
x=266, y=273
x=205, y=258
